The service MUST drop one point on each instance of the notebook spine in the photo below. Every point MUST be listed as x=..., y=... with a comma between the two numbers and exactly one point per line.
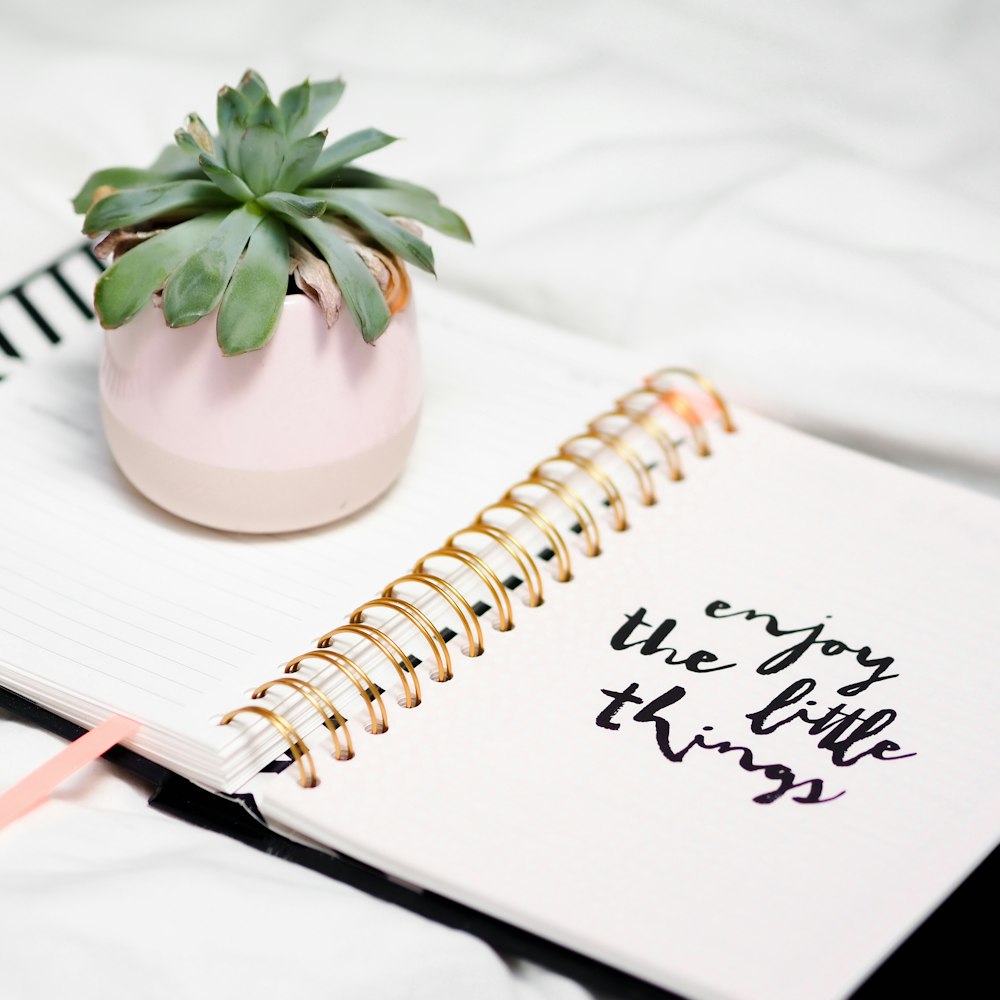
x=658, y=393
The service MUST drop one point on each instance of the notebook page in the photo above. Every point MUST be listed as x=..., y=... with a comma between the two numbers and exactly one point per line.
x=106, y=602
x=585, y=778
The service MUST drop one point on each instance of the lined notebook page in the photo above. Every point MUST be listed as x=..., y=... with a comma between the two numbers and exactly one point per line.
x=625, y=772
x=106, y=602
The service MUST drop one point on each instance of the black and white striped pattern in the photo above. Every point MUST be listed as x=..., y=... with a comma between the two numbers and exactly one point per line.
x=47, y=306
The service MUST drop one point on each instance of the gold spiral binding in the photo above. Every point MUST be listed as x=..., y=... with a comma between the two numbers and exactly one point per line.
x=628, y=455
x=544, y=525
x=392, y=652
x=681, y=405
x=466, y=614
x=628, y=408
x=297, y=745
x=420, y=621
x=529, y=568
x=655, y=430
x=369, y=691
x=599, y=476
x=706, y=384
x=332, y=719
x=482, y=569
x=573, y=501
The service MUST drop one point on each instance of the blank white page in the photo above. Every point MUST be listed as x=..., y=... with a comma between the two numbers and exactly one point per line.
x=108, y=603
x=533, y=787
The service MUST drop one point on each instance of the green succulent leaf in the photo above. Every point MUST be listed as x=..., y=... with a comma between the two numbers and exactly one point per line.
x=300, y=160
x=407, y=204
x=187, y=143
x=196, y=287
x=360, y=143
x=308, y=104
x=267, y=113
x=232, y=111
x=349, y=177
x=253, y=87
x=116, y=177
x=392, y=237
x=265, y=174
x=326, y=95
x=201, y=135
x=292, y=204
x=173, y=162
x=360, y=290
x=252, y=303
x=225, y=179
x=127, y=286
x=138, y=204
x=294, y=104
x=261, y=155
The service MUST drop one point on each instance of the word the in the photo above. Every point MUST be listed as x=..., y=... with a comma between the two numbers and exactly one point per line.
x=649, y=645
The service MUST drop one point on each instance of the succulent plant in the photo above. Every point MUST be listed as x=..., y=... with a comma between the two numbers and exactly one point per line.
x=221, y=221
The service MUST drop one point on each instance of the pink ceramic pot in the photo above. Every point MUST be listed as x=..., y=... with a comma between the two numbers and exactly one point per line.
x=302, y=432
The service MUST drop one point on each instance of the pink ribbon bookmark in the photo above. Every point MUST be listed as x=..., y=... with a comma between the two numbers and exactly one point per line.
x=37, y=786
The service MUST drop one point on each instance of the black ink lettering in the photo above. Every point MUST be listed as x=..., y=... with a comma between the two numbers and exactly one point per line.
x=618, y=701
x=795, y=691
x=881, y=665
x=840, y=740
x=783, y=775
x=792, y=654
x=882, y=750
x=620, y=639
x=717, y=606
x=694, y=661
x=770, y=625
x=842, y=729
x=648, y=714
x=651, y=645
x=786, y=657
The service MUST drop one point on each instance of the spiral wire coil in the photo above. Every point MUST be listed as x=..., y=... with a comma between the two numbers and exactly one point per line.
x=604, y=434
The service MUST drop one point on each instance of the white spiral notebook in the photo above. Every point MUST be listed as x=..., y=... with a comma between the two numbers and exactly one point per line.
x=739, y=749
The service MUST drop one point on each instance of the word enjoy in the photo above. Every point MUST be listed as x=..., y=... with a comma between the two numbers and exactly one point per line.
x=811, y=636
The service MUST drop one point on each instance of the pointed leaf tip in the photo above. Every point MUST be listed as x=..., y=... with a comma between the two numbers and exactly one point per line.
x=199, y=131
x=345, y=150
x=195, y=288
x=384, y=231
x=253, y=300
x=126, y=287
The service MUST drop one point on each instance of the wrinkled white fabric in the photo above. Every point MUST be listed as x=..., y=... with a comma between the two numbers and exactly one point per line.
x=800, y=200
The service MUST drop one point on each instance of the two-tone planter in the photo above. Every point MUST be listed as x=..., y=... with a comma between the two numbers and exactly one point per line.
x=304, y=431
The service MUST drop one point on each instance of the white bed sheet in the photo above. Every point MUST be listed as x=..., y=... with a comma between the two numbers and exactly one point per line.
x=801, y=200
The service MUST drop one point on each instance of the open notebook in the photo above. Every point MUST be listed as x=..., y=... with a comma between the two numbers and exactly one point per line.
x=741, y=752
